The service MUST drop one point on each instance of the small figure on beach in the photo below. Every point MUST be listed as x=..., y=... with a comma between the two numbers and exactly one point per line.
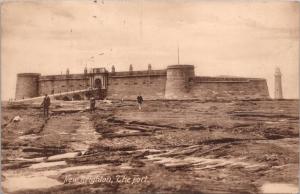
x=140, y=101
x=92, y=104
x=46, y=103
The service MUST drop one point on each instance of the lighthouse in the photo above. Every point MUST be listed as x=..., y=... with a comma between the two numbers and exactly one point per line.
x=278, y=85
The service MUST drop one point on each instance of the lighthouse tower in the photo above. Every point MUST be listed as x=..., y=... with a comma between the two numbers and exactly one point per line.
x=278, y=86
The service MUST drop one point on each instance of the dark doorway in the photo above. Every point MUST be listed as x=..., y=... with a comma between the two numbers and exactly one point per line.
x=98, y=83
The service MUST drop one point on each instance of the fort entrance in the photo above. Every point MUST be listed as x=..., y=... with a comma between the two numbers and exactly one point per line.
x=98, y=83
x=98, y=80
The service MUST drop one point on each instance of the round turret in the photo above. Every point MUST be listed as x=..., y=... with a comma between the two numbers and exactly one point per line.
x=27, y=85
x=177, y=85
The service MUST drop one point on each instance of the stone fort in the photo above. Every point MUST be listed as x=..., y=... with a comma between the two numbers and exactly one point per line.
x=174, y=82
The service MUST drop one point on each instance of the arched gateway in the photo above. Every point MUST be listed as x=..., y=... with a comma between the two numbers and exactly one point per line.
x=98, y=80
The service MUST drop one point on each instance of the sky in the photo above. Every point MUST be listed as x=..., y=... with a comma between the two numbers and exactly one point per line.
x=248, y=38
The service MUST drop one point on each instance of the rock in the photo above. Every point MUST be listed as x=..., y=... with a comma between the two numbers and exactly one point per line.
x=197, y=127
x=17, y=119
x=64, y=156
x=107, y=101
x=213, y=108
x=137, y=163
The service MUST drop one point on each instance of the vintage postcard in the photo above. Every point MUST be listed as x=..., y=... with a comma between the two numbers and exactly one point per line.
x=149, y=96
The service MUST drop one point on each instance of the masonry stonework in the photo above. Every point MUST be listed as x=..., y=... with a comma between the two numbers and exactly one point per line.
x=175, y=82
x=27, y=85
x=151, y=87
x=62, y=83
x=220, y=88
x=177, y=85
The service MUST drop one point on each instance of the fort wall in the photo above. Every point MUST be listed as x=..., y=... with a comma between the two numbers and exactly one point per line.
x=228, y=88
x=128, y=85
x=62, y=83
x=176, y=82
x=27, y=85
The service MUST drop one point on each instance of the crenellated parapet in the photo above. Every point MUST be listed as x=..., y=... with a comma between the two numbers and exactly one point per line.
x=138, y=73
x=62, y=77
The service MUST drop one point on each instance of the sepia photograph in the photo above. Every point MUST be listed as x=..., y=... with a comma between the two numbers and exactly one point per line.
x=149, y=96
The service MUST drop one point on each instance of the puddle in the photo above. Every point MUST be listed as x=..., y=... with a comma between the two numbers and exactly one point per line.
x=126, y=131
x=279, y=188
x=198, y=163
x=64, y=170
x=201, y=163
x=84, y=167
x=21, y=183
x=271, y=122
x=41, y=159
x=63, y=133
x=29, y=137
x=63, y=156
x=47, y=164
x=57, y=172
x=125, y=166
x=41, y=179
x=283, y=120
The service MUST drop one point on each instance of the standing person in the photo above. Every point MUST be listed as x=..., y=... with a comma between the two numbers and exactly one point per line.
x=92, y=104
x=140, y=101
x=46, y=103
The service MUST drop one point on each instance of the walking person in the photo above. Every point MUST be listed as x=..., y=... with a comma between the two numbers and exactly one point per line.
x=92, y=104
x=140, y=101
x=46, y=103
